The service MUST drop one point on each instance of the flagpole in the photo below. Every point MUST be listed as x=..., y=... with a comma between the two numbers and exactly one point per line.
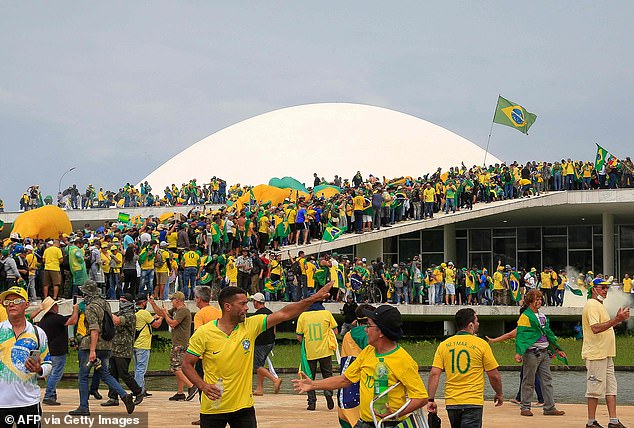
x=486, y=152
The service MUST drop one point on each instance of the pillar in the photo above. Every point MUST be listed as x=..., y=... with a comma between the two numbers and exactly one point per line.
x=449, y=241
x=608, y=243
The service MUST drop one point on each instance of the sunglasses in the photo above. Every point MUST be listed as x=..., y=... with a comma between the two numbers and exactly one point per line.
x=604, y=287
x=16, y=302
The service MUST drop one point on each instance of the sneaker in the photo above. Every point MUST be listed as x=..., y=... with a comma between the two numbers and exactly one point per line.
x=96, y=394
x=177, y=397
x=526, y=413
x=138, y=399
x=128, y=400
x=191, y=393
x=80, y=411
x=616, y=425
x=110, y=403
x=594, y=424
x=554, y=412
x=51, y=402
x=330, y=402
x=311, y=406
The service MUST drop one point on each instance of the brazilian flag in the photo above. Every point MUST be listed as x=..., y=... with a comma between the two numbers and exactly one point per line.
x=321, y=276
x=123, y=218
x=514, y=285
x=332, y=232
x=273, y=286
x=303, y=362
x=603, y=157
x=514, y=115
x=206, y=278
x=282, y=230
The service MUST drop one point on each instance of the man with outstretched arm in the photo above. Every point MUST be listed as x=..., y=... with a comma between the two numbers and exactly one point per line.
x=226, y=347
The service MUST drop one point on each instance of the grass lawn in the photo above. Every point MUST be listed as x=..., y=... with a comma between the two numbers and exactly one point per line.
x=287, y=351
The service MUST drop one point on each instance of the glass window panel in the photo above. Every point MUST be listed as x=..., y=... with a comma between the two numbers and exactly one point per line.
x=407, y=249
x=504, y=250
x=481, y=260
x=461, y=253
x=581, y=261
x=461, y=233
x=554, y=252
x=390, y=259
x=506, y=232
x=529, y=238
x=626, y=262
x=529, y=259
x=579, y=237
x=598, y=254
x=429, y=259
x=411, y=235
x=557, y=230
x=433, y=241
x=597, y=229
x=627, y=237
x=390, y=245
x=480, y=239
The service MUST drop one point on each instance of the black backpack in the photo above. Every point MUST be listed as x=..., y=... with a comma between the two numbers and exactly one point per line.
x=107, y=325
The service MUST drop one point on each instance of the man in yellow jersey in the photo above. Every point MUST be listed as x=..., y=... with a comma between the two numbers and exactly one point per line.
x=384, y=329
x=143, y=343
x=190, y=262
x=598, y=351
x=161, y=269
x=546, y=286
x=429, y=198
x=226, y=347
x=464, y=357
x=52, y=259
x=315, y=330
x=358, y=205
x=500, y=287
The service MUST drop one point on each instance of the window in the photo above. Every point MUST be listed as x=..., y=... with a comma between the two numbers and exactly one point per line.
x=626, y=238
x=433, y=241
x=504, y=250
x=580, y=237
x=529, y=238
x=554, y=252
x=408, y=248
x=480, y=240
x=529, y=259
x=580, y=260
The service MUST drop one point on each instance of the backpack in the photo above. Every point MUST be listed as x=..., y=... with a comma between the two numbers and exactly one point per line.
x=159, y=261
x=296, y=268
x=107, y=326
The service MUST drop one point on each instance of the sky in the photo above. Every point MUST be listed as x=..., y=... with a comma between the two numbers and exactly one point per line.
x=115, y=89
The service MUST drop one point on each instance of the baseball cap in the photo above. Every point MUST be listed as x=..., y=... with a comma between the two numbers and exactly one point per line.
x=128, y=297
x=600, y=281
x=178, y=295
x=14, y=290
x=388, y=319
x=141, y=297
x=258, y=297
x=163, y=244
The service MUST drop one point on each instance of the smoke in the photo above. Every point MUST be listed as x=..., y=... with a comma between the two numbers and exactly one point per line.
x=616, y=300
x=570, y=300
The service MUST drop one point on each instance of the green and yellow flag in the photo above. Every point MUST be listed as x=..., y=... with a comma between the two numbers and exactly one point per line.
x=604, y=157
x=123, y=218
x=514, y=115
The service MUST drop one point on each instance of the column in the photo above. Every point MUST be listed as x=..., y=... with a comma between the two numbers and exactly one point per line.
x=449, y=241
x=608, y=243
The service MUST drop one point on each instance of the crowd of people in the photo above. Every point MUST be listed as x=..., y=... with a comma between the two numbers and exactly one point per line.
x=458, y=187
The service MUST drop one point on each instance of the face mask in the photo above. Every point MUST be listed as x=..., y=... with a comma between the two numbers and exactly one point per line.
x=600, y=298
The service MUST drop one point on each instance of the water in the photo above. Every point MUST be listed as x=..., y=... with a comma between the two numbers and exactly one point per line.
x=569, y=386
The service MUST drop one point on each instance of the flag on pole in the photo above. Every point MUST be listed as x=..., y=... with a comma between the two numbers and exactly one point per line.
x=603, y=157
x=514, y=115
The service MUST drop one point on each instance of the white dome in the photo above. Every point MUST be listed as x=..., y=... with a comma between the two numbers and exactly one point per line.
x=329, y=139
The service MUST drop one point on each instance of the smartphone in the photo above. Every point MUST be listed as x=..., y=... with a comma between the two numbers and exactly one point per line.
x=34, y=355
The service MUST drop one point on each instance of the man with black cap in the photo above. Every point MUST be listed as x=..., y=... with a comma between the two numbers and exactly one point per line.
x=122, y=351
x=384, y=330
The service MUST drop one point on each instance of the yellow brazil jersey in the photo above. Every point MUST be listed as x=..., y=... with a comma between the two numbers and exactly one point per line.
x=148, y=262
x=627, y=285
x=119, y=261
x=31, y=262
x=191, y=259
x=464, y=358
x=263, y=224
x=165, y=268
x=401, y=368
x=276, y=268
x=172, y=239
x=206, y=314
x=229, y=358
x=310, y=272
x=143, y=320
x=429, y=195
x=232, y=270
x=358, y=203
x=105, y=261
x=546, y=280
x=450, y=276
x=3, y=313
x=291, y=215
x=52, y=255
x=316, y=327
x=498, y=279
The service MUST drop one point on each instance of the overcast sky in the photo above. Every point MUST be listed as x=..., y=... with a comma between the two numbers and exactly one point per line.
x=117, y=88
